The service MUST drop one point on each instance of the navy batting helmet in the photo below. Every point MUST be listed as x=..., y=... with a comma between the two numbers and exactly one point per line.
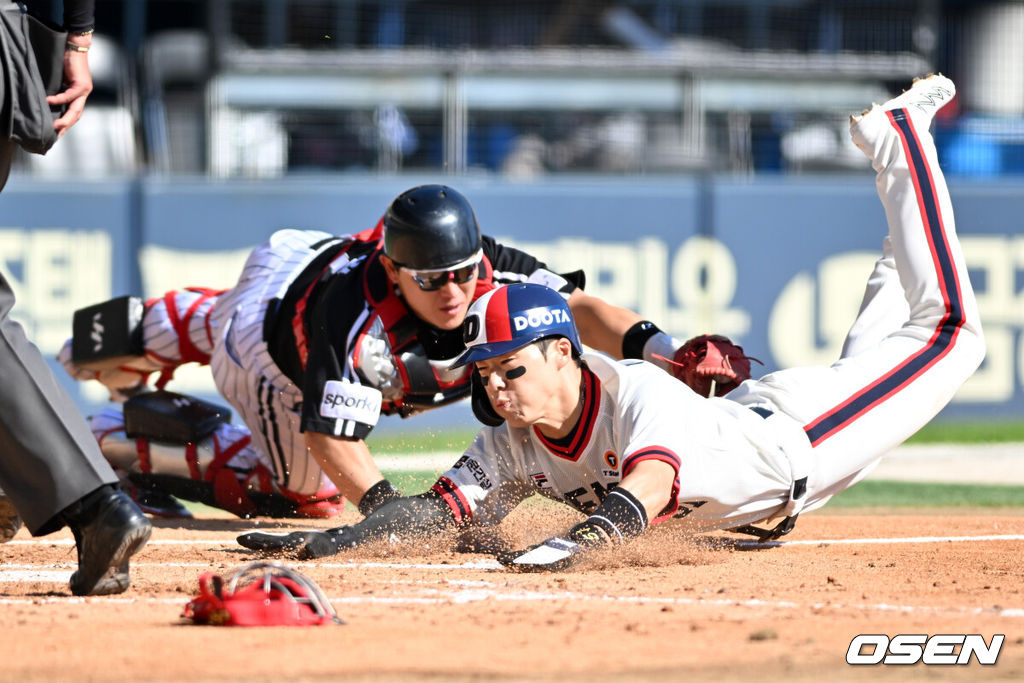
x=430, y=227
x=510, y=317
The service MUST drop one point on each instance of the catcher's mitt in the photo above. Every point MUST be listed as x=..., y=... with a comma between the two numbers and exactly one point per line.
x=711, y=365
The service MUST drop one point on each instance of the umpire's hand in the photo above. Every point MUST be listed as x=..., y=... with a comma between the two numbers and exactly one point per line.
x=78, y=79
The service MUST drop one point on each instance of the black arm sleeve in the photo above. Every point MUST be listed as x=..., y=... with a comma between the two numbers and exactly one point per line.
x=379, y=494
x=79, y=15
x=413, y=516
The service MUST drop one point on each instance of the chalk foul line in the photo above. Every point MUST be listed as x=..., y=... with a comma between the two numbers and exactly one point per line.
x=742, y=543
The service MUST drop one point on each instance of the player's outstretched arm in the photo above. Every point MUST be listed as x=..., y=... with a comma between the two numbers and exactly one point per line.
x=601, y=325
x=414, y=516
x=622, y=515
x=711, y=365
x=346, y=462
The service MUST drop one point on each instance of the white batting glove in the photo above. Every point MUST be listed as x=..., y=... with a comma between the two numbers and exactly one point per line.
x=553, y=555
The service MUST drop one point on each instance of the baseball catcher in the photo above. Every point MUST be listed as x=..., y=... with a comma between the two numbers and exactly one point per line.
x=320, y=337
x=629, y=446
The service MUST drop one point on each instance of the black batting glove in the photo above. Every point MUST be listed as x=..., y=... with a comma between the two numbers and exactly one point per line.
x=303, y=545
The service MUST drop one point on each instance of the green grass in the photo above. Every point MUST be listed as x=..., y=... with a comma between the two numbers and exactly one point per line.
x=947, y=431
x=454, y=440
x=412, y=482
x=975, y=431
x=890, y=494
x=866, y=494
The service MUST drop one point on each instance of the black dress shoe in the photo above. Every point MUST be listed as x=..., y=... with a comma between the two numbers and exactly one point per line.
x=10, y=521
x=109, y=528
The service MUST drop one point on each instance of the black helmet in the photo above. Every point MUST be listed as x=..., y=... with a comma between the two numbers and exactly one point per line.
x=430, y=227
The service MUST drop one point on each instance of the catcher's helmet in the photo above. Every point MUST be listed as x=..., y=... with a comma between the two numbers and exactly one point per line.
x=510, y=317
x=261, y=594
x=430, y=227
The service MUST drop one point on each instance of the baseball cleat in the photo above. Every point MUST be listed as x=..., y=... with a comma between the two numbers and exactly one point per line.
x=922, y=100
x=108, y=528
x=926, y=96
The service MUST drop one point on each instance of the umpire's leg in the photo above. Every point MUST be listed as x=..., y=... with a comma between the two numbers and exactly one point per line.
x=48, y=457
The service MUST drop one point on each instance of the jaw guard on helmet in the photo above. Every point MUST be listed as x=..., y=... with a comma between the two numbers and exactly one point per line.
x=510, y=317
x=430, y=227
x=261, y=594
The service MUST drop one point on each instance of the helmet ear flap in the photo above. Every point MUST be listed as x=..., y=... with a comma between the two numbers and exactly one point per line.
x=482, y=408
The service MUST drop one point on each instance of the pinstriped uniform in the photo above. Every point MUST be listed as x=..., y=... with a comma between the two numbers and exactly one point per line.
x=161, y=338
x=245, y=374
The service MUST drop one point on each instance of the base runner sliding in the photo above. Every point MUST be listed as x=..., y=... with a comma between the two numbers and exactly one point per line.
x=630, y=446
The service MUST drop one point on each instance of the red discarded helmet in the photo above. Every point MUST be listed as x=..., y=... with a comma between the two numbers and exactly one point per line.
x=260, y=594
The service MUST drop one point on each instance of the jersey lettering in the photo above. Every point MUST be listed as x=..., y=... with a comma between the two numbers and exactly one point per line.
x=600, y=491
x=581, y=500
x=573, y=498
x=344, y=400
x=688, y=506
x=474, y=468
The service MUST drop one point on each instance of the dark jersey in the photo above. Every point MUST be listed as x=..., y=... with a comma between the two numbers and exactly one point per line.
x=345, y=336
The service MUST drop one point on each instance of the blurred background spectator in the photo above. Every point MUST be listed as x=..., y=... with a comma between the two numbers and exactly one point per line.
x=265, y=88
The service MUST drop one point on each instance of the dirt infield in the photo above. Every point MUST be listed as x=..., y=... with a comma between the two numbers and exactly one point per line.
x=673, y=607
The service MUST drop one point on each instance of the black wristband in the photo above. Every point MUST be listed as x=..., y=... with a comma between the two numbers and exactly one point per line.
x=619, y=516
x=635, y=338
x=377, y=495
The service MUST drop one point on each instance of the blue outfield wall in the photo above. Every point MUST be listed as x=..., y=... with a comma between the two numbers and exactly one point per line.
x=777, y=263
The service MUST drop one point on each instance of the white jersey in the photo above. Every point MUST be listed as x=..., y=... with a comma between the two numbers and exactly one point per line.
x=732, y=465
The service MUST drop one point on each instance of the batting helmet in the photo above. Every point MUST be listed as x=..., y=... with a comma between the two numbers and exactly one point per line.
x=510, y=317
x=430, y=227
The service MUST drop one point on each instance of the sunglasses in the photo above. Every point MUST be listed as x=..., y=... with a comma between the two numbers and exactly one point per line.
x=460, y=274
